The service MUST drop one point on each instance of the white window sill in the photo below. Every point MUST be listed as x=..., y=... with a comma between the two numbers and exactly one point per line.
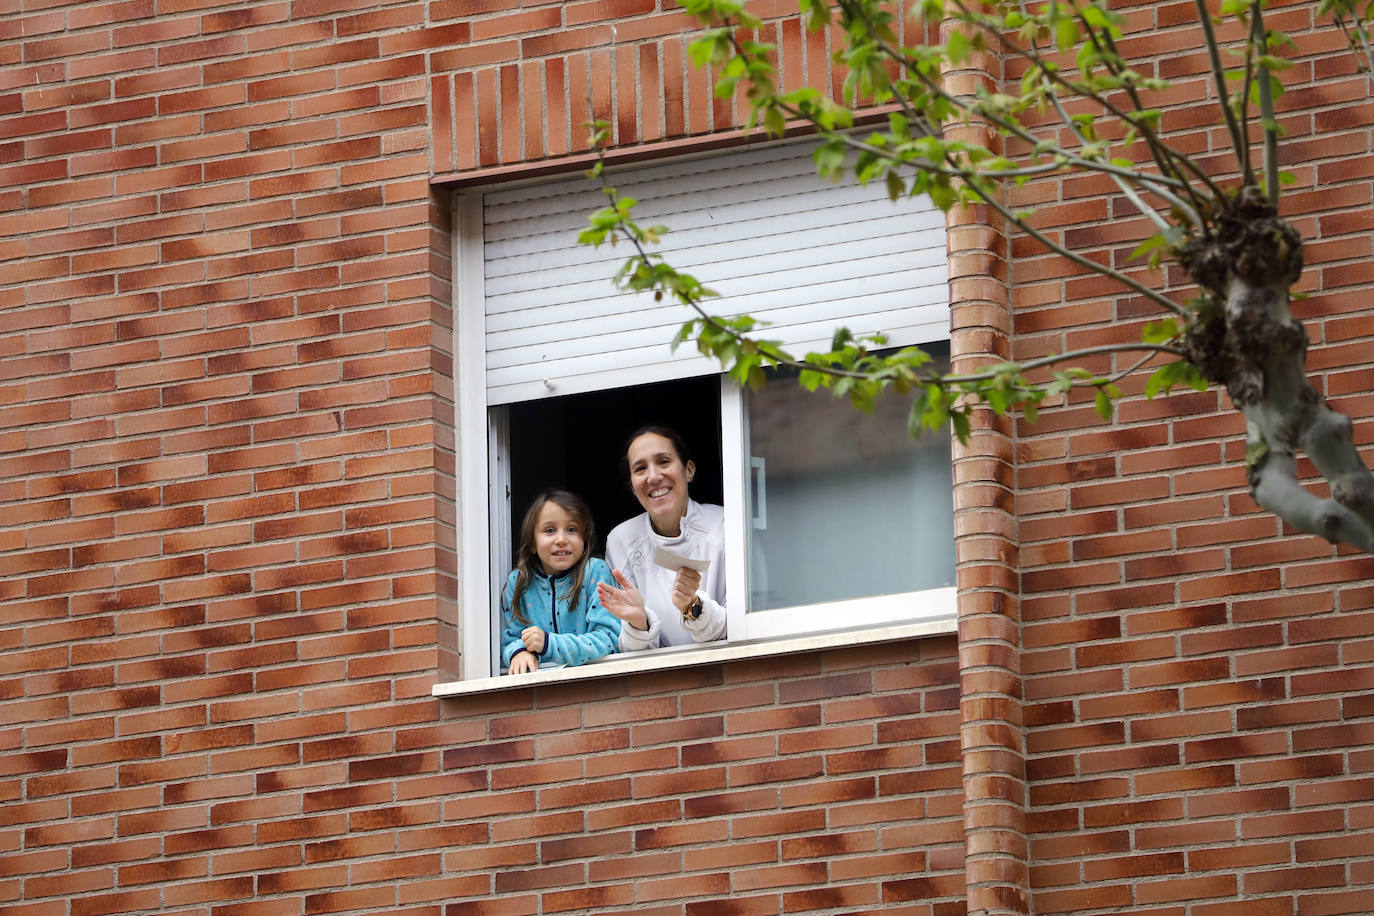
x=691, y=656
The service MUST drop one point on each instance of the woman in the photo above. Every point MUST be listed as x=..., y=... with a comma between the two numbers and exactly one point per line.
x=659, y=605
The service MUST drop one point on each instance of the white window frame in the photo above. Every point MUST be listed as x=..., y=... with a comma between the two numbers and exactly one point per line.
x=483, y=513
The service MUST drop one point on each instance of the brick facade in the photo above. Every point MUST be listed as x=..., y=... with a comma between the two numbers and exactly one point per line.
x=228, y=471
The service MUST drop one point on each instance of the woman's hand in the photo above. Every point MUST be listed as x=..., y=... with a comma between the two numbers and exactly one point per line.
x=523, y=663
x=685, y=587
x=625, y=602
x=533, y=638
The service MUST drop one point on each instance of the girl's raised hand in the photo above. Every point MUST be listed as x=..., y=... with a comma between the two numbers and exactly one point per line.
x=533, y=638
x=625, y=602
x=523, y=663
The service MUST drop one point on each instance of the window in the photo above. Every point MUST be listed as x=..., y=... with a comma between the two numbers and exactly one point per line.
x=850, y=520
x=834, y=519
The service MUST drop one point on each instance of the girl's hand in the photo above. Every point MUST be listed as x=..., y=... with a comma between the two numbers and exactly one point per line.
x=533, y=638
x=625, y=602
x=523, y=663
x=685, y=588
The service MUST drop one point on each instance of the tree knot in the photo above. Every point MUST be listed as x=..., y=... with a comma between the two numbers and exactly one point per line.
x=1250, y=243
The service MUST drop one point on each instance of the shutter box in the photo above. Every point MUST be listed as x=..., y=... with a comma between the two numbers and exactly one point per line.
x=758, y=226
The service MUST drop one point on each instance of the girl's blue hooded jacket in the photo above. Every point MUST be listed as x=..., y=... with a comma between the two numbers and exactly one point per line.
x=573, y=634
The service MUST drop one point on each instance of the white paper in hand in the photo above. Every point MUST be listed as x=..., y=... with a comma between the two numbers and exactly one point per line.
x=675, y=561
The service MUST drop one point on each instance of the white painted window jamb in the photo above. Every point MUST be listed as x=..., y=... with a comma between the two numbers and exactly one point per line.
x=734, y=468
x=470, y=399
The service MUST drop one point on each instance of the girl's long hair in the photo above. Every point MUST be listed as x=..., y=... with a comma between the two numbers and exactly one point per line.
x=527, y=558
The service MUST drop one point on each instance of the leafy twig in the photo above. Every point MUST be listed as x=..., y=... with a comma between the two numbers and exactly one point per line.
x=1238, y=139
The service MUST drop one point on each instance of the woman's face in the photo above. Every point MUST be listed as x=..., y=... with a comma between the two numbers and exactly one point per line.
x=659, y=480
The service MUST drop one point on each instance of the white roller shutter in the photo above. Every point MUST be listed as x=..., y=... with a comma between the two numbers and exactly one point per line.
x=758, y=226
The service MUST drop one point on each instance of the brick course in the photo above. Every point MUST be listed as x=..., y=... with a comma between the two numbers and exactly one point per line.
x=227, y=461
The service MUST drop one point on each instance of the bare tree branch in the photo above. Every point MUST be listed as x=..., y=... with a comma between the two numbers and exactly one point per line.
x=1239, y=141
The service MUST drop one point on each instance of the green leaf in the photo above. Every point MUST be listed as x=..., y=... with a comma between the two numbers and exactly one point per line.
x=1087, y=58
x=961, y=426
x=914, y=425
x=1158, y=332
x=957, y=47
x=1145, y=247
x=998, y=399
x=829, y=159
x=1166, y=377
x=1099, y=18
x=896, y=187
x=1103, y=404
x=1162, y=379
x=684, y=334
x=774, y=122
x=1066, y=33
x=941, y=193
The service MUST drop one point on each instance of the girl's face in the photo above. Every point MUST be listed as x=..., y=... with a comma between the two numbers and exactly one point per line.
x=659, y=480
x=557, y=539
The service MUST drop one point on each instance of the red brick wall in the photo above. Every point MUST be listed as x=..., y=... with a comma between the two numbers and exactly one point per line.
x=227, y=464
x=227, y=577
x=807, y=784
x=1196, y=677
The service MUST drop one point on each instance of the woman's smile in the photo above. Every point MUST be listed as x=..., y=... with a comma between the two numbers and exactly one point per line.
x=659, y=480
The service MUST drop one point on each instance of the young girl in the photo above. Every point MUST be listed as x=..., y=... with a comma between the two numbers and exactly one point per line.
x=550, y=607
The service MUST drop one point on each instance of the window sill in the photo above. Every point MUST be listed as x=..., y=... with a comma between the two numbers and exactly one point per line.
x=691, y=656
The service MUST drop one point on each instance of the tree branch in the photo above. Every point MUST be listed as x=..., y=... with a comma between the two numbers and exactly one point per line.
x=1159, y=151
x=1151, y=182
x=1356, y=35
x=1149, y=212
x=1274, y=485
x=970, y=177
x=1259, y=37
x=1151, y=351
x=1238, y=139
x=1129, y=282
x=1010, y=374
x=1155, y=183
x=1146, y=132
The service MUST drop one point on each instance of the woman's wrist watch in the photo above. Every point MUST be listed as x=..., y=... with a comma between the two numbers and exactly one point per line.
x=693, y=610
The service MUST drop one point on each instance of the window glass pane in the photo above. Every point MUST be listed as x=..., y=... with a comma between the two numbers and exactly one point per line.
x=843, y=504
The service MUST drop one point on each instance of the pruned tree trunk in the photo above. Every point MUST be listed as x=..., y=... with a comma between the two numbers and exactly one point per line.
x=1249, y=341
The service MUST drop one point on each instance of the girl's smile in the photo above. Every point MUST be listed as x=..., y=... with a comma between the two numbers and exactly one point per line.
x=557, y=539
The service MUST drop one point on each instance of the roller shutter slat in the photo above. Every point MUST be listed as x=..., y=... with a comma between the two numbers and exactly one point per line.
x=759, y=226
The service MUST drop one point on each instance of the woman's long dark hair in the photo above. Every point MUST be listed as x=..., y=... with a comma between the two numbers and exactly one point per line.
x=527, y=559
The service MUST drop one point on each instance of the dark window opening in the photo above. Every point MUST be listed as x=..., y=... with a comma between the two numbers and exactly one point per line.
x=576, y=442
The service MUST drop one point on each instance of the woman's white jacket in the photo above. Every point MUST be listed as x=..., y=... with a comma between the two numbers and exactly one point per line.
x=630, y=549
